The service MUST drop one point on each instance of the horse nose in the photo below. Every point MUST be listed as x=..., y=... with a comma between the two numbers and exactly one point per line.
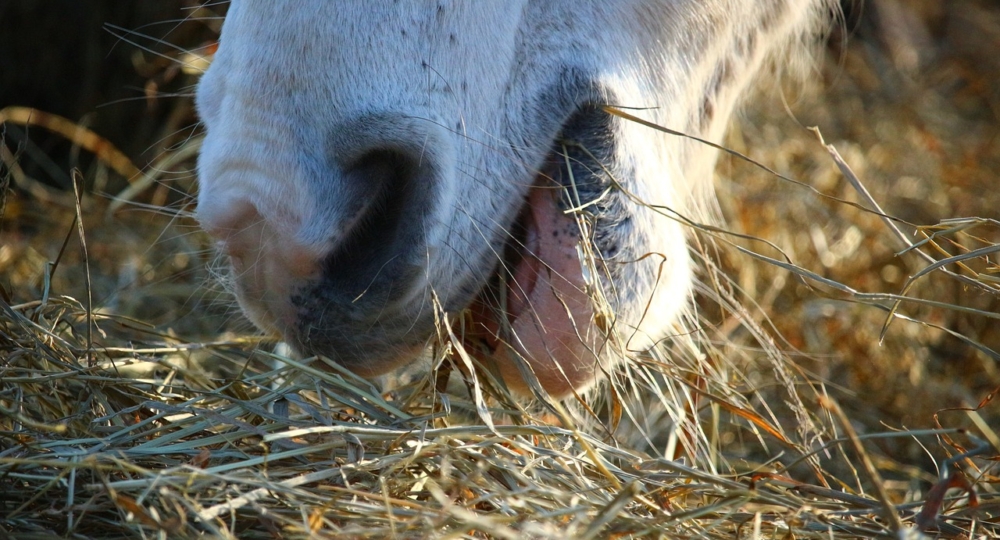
x=385, y=191
x=390, y=173
x=337, y=230
x=266, y=262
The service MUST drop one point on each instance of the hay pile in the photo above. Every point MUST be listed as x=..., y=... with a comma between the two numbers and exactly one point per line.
x=131, y=439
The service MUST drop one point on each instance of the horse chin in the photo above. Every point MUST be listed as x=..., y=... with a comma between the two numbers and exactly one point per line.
x=536, y=311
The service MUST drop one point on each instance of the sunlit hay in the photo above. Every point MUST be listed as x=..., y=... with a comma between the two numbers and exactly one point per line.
x=307, y=449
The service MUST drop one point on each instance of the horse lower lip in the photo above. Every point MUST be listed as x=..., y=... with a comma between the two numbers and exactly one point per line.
x=547, y=318
x=535, y=249
x=507, y=294
x=522, y=270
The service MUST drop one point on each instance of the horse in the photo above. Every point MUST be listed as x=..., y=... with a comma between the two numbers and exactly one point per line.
x=373, y=168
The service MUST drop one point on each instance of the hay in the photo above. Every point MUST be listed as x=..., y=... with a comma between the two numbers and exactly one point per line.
x=141, y=444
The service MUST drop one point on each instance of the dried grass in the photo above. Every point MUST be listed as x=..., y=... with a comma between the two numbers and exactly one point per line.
x=143, y=444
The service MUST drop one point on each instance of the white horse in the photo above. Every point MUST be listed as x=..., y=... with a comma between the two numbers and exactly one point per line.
x=372, y=164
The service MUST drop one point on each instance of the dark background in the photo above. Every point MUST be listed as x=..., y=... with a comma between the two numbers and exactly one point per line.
x=110, y=65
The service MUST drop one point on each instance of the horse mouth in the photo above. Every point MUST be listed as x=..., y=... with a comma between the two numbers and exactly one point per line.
x=526, y=308
x=536, y=304
x=503, y=299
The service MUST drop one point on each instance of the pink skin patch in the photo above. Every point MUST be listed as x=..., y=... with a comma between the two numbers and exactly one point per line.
x=548, y=309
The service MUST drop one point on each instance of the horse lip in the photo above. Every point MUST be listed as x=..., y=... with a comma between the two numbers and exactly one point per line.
x=520, y=262
x=506, y=294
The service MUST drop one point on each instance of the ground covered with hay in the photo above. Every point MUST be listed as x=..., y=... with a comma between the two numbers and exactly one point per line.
x=843, y=385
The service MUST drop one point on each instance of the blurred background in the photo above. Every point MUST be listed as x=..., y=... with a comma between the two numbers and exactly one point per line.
x=126, y=71
x=113, y=67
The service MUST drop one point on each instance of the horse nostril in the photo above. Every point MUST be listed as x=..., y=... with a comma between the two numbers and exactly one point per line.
x=384, y=227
